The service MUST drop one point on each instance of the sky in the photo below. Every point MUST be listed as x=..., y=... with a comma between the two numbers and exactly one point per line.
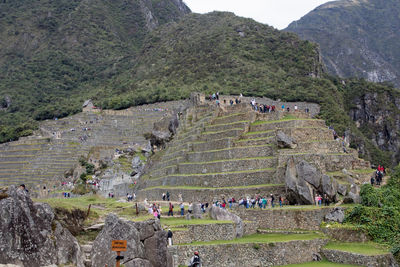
x=276, y=13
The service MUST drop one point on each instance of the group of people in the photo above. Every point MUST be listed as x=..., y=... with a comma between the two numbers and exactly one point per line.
x=251, y=202
x=319, y=200
x=155, y=209
x=130, y=197
x=378, y=175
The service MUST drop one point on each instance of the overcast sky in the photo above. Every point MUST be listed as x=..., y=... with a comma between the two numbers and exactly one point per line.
x=277, y=13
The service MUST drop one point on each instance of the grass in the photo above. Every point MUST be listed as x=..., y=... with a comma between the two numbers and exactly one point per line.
x=226, y=124
x=226, y=160
x=323, y=263
x=175, y=222
x=100, y=206
x=146, y=177
x=211, y=188
x=258, y=132
x=254, y=139
x=286, y=118
x=359, y=248
x=262, y=239
x=230, y=148
x=217, y=132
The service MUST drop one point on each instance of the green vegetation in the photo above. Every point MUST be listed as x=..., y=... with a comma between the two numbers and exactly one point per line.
x=360, y=248
x=213, y=188
x=379, y=212
x=323, y=263
x=100, y=206
x=263, y=238
x=177, y=222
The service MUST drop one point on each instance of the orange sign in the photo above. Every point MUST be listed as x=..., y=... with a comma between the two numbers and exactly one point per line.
x=118, y=245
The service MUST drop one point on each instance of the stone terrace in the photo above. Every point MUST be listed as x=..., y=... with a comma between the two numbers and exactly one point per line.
x=231, y=151
x=44, y=157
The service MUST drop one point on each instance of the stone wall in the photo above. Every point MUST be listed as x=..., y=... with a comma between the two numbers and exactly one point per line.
x=210, y=232
x=346, y=235
x=284, y=218
x=248, y=254
x=358, y=259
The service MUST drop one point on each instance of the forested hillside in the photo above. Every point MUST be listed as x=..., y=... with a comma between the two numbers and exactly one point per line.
x=54, y=54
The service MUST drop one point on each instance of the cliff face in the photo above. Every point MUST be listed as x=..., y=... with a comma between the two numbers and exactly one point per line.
x=377, y=115
x=358, y=38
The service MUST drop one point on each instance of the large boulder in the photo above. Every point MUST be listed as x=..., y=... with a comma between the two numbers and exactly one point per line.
x=146, y=243
x=336, y=215
x=304, y=181
x=300, y=191
x=285, y=141
x=30, y=236
x=221, y=214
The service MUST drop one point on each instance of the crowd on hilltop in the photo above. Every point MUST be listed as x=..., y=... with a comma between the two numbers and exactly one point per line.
x=251, y=202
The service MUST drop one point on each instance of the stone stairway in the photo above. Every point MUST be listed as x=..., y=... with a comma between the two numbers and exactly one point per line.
x=87, y=249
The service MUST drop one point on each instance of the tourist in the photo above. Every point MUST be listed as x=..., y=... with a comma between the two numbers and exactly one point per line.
x=171, y=209
x=163, y=196
x=190, y=208
x=195, y=260
x=182, y=209
x=167, y=195
x=326, y=200
x=272, y=200
x=295, y=108
x=169, y=237
x=280, y=201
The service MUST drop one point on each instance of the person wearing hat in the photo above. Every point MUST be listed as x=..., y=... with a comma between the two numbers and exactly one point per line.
x=195, y=260
x=169, y=237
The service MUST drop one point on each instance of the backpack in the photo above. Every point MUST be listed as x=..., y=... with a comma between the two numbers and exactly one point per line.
x=196, y=261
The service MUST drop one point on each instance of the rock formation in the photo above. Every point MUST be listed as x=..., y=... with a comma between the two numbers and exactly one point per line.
x=285, y=141
x=224, y=215
x=30, y=236
x=146, y=243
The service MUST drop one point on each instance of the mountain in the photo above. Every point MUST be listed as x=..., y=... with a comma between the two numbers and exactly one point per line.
x=125, y=53
x=53, y=54
x=358, y=38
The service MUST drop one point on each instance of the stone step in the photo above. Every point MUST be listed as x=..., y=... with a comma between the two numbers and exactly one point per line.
x=291, y=123
x=259, y=134
x=208, y=136
x=202, y=194
x=382, y=258
x=211, y=144
x=235, y=117
x=255, y=141
x=318, y=147
x=227, y=126
x=227, y=165
x=223, y=179
x=231, y=153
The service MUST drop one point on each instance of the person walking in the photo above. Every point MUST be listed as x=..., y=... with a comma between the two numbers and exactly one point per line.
x=171, y=209
x=182, y=209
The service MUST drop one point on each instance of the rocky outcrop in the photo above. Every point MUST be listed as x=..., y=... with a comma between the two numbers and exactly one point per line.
x=146, y=243
x=30, y=235
x=220, y=214
x=336, y=215
x=304, y=181
x=285, y=141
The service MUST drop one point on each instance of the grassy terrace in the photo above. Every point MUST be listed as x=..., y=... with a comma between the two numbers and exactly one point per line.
x=254, y=139
x=226, y=160
x=214, y=173
x=212, y=188
x=286, y=118
x=223, y=131
x=226, y=124
x=263, y=238
x=258, y=132
x=323, y=263
x=230, y=148
x=359, y=248
x=182, y=222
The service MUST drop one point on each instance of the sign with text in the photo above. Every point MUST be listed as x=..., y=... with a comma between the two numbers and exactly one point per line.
x=118, y=245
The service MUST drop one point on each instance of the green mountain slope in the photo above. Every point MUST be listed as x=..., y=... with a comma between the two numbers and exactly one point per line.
x=357, y=38
x=53, y=54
